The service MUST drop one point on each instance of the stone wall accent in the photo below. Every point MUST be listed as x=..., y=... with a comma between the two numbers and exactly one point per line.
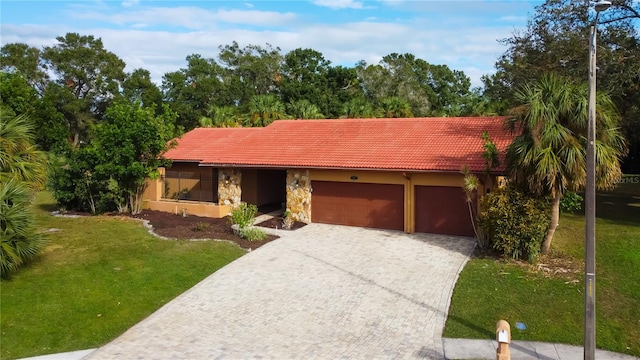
x=229, y=186
x=299, y=195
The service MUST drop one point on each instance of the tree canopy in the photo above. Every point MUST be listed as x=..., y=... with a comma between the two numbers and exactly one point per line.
x=556, y=41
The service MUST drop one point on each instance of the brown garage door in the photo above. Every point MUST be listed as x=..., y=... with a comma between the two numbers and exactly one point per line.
x=442, y=210
x=358, y=204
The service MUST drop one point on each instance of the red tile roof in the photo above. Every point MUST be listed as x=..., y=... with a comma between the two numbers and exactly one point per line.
x=412, y=144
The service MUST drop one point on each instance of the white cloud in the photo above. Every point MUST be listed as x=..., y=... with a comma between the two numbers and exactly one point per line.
x=340, y=4
x=186, y=17
x=130, y=3
x=143, y=40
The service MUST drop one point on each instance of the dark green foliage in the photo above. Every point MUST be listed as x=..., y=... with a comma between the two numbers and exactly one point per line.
x=109, y=174
x=555, y=41
x=490, y=153
x=515, y=223
x=87, y=79
x=18, y=97
x=19, y=241
x=571, y=202
x=23, y=170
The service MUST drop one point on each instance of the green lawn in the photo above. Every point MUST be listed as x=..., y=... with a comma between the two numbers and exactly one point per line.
x=552, y=306
x=97, y=277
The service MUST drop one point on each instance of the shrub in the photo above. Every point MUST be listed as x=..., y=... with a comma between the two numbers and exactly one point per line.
x=287, y=220
x=571, y=202
x=201, y=226
x=244, y=215
x=514, y=222
x=253, y=234
x=19, y=241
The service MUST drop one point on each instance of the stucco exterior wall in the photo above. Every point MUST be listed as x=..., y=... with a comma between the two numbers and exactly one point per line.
x=236, y=185
x=188, y=207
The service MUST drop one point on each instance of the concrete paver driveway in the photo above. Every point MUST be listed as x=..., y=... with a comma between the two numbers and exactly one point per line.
x=323, y=291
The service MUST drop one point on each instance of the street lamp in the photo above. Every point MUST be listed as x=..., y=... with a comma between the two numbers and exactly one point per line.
x=590, y=199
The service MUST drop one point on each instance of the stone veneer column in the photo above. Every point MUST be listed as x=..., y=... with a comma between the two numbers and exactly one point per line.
x=229, y=186
x=299, y=195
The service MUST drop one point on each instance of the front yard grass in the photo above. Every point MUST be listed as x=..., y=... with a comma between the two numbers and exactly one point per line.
x=551, y=304
x=97, y=277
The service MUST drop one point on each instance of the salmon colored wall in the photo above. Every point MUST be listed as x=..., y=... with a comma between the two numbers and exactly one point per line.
x=375, y=177
x=251, y=178
x=154, y=187
x=190, y=207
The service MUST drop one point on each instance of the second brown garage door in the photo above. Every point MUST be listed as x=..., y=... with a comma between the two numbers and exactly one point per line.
x=442, y=210
x=358, y=204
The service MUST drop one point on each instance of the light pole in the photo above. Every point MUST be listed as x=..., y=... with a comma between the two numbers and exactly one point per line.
x=590, y=200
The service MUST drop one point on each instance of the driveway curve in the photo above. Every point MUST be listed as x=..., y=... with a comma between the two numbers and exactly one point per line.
x=319, y=292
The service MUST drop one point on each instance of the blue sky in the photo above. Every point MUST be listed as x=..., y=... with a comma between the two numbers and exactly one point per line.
x=158, y=35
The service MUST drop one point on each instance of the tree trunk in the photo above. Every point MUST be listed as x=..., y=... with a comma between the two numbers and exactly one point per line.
x=555, y=218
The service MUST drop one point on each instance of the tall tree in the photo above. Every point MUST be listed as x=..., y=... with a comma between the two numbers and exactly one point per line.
x=110, y=172
x=138, y=87
x=17, y=97
x=26, y=60
x=549, y=155
x=191, y=91
x=342, y=86
x=400, y=76
x=87, y=79
x=429, y=89
x=252, y=70
x=304, y=77
x=556, y=40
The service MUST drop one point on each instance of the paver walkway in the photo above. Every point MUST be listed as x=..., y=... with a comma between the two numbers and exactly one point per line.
x=323, y=291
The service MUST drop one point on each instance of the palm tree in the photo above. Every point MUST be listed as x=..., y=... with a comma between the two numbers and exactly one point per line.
x=396, y=107
x=264, y=109
x=548, y=157
x=304, y=109
x=19, y=157
x=19, y=241
x=23, y=170
x=220, y=116
x=359, y=108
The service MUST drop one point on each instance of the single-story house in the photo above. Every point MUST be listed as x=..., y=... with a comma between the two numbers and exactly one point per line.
x=402, y=174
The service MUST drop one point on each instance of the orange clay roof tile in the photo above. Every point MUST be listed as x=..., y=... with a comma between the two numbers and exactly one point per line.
x=412, y=144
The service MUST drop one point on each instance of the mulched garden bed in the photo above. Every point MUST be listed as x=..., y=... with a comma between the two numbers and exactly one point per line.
x=192, y=227
x=195, y=227
x=276, y=223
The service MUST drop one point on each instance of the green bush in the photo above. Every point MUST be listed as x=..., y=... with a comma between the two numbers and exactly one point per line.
x=243, y=215
x=19, y=241
x=571, y=202
x=253, y=234
x=514, y=222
